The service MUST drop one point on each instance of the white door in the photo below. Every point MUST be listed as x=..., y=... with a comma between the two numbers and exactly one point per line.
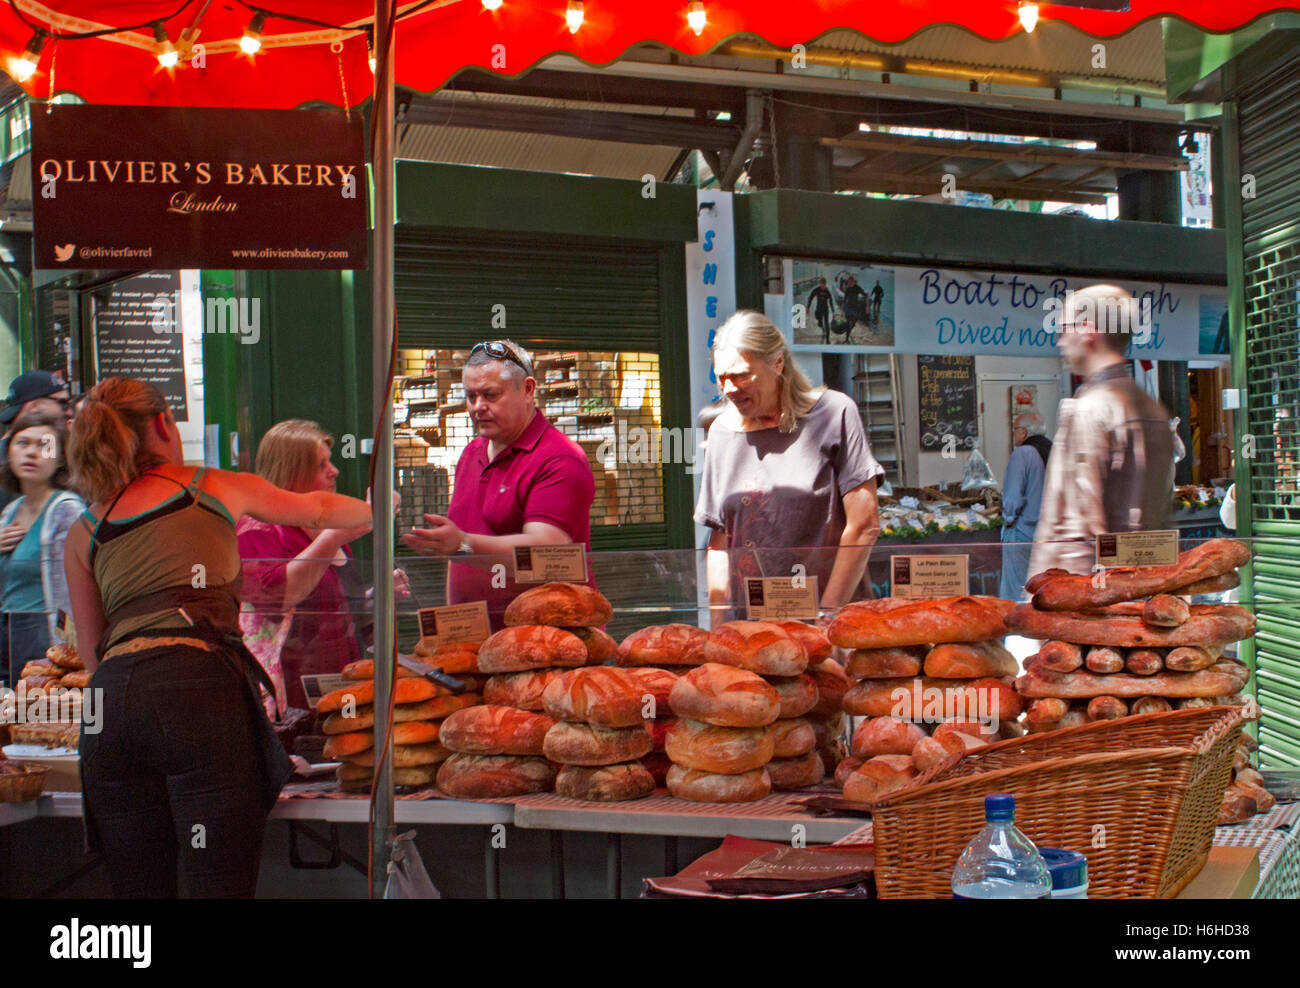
x=996, y=397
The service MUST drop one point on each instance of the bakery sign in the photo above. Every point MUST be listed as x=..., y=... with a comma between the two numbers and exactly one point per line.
x=171, y=187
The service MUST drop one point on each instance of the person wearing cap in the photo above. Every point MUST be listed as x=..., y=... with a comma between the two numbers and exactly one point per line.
x=1022, y=494
x=521, y=482
x=36, y=391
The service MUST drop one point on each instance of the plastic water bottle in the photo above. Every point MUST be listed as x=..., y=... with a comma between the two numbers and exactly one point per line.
x=1001, y=862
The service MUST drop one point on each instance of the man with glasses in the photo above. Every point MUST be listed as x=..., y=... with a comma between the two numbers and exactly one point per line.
x=1112, y=462
x=36, y=391
x=520, y=482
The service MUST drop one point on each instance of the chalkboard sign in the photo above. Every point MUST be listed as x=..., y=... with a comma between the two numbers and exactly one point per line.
x=137, y=334
x=946, y=399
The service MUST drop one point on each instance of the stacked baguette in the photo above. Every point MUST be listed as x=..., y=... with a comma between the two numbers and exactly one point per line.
x=497, y=749
x=922, y=665
x=1246, y=794
x=1124, y=641
x=419, y=712
x=599, y=734
x=771, y=650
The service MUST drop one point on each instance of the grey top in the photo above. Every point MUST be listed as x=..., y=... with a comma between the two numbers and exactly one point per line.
x=769, y=489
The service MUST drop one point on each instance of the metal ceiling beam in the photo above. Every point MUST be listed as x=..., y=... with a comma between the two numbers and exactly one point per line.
x=920, y=185
x=1029, y=153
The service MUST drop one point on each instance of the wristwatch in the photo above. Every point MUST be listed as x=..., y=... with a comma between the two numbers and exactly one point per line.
x=465, y=548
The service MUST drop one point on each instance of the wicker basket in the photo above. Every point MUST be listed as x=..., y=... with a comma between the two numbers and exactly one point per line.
x=1139, y=796
x=24, y=787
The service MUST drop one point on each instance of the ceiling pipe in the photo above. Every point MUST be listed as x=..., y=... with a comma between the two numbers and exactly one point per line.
x=753, y=127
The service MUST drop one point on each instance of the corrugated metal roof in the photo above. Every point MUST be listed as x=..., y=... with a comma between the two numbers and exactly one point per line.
x=1054, y=48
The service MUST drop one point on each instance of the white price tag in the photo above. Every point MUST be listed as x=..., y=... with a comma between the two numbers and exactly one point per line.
x=1159, y=548
x=929, y=576
x=781, y=598
x=453, y=623
x=317, y=686
x=545, y=563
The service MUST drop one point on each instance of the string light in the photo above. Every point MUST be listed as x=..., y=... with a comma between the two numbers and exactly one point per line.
x=168, y=56
x=492, y=4
x=1028, y=16
x=696, y=17
x=23, y=67
x=574, y=16
x=251, y=42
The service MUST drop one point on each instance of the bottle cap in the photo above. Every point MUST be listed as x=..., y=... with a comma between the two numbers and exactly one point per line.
x=1000, y=806
x=1069, y=869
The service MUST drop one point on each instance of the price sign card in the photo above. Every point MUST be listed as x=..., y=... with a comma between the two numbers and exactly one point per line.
x=544, y=563
x=317, y=686
x=929, y=576
x=781, y=598
x=453, y=623
x=1159, y=548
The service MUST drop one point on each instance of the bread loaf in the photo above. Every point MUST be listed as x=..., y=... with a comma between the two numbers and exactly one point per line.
x=1150, y=705
x=792, y=737
x=405, y=755
x=1236, y=807
x=1264, y=800
x=365, y=669
x=1060, y=656
x=605, y=783
x=655, y=686
x=761, y=647
x=893, y=621
x=77, y=679
x=600, y=647
x=878, y=777
x=886, y=663
x=711, y=787
x=1104, y=660
x=1188, y=658
x=560, y=605
x=64, y=656
x=601, y=695
x=664, y=644
x=930, y=700
x=816, y=646
x=1176, y=685
x=984, y=731
x=1165, y=611
x=363, y=692
x=970, y=660
x=353, y=743
x=725, y=696
x=930, y=752
x=1120, y=627
x=1106, y=708
x=530, y=646
x=1211, y=585
x=338, y=724
x=797, y=772
x=1046, y=710
x=798, y=694
x=39, y=667
x=724, y=750
x=832, y=684
x=1144, y=661
x=845, y=768
x=454, y=659
x=571, y=743
x=495, y=730
x=885, y=736
x=522, y=690
x=415, y=775
x=494, y=776
x=439, y=706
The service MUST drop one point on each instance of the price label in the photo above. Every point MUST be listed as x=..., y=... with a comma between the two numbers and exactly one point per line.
x=544, y=563
x=781, y=598
x=929, y=576
x=1159, y=548
x=317, y=686
x=453, y=623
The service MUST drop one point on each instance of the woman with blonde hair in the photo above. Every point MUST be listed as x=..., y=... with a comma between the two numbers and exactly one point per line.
x=788, y=477
x=302, y=571
x=185, y=749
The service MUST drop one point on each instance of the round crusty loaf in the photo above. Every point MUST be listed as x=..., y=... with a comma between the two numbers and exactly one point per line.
x=494, y=730
x=902, y=621
x=885, y=663
x=725, y=750
x=561, y=605
x=971, y=660
x=798, y=694
x=656, y=686
x=795, y=773
x=664, y=645
x=600, y=695
x=844, y=768
x=600, y=647
x=763, y=647
x=791, y=737
x=605, y=783
x=494, y=776
x=885, y=736
x=659, y=731
x=571, y=743
x=522, y=690
x=710, y=787
x=832, y=684
x=878, y=777
x=815, y=644
x=725, y=696
x=531, y=646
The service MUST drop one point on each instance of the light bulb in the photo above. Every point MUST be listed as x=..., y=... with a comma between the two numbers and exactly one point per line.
x=492, y=4
x=168, y=56
x=23, y=67
x=1028, y=16
x=251, y=42
x=696, y=17
x=574, y=16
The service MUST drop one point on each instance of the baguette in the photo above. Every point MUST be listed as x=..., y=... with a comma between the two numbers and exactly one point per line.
x=1144, y=661
x=1107, y=708
x=1165, y=611
x=1188, y=658
x=1080, y=592
x=1175, y=685
x=1060, y=656
x=930, y=700
x=893, y=621
x=1103, y=659
x=1046, y=710
x=1215, y=584
x=1208, y=624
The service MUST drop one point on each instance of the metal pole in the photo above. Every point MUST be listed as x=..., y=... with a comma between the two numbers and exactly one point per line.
x=382, y=495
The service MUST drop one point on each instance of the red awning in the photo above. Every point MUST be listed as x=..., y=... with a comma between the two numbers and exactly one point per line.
x=301, y=62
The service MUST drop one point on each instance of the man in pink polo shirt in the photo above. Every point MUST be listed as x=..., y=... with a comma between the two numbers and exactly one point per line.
x=520, y=482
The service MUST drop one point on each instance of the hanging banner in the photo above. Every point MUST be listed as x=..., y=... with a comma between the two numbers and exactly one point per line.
x=170, y=187
x=874, y=308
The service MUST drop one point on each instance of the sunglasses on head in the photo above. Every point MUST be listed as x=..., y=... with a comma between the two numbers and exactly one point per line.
x=498, y=350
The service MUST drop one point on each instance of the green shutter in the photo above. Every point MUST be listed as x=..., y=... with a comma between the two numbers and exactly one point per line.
x=1269, y=149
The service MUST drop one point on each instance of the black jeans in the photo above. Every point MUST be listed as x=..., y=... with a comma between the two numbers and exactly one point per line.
x=24, y=637
x=173, y=784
